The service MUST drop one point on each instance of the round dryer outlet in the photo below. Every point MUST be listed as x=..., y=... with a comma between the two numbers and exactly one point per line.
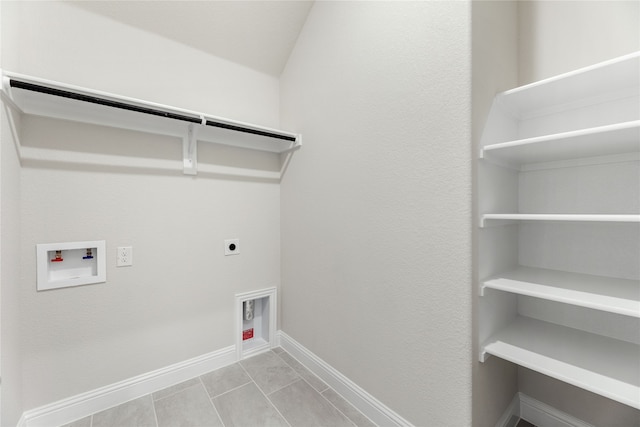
x=232, y=246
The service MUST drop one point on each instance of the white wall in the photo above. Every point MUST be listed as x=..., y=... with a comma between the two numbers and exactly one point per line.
x=376, y=207
x=560, y=36
x=585, y=405
x=177, y=300
x=11, y=405
x=494, y=60
x=10, y=313
x=59, y=41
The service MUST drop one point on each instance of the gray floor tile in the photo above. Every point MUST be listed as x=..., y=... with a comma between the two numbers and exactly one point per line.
x=190, y=407
x=83, y=422
x=247, y=406
x=224, y=379
x=138, y=412
x=347, y=409
x=278, y=350
x=175, y=388
x=306, y=374
x=235, y=395
x=269, y=371
x=301, y=405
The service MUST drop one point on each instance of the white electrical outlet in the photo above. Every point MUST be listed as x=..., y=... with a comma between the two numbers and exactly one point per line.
x=232, y=246
x=125, y=256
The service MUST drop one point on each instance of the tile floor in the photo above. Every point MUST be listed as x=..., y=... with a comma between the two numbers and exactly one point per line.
x=270, y=389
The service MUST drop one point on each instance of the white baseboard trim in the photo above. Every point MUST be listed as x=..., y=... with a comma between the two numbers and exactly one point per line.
x=359, y=398
x=22, y=422
x=512, y=410
x=538, y=413
x=85, y=404
x=543, y=415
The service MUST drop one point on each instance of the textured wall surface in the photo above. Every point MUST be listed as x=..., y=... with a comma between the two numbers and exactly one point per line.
x=494, y=60
x=376, y=208
x=10, y=343
x=177, y=300
x=61, y=42
x=578, y=402
x=10, y=313
x=561, y=36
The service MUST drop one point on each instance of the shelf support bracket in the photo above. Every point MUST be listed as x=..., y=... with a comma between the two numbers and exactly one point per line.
x=190, y=151
x=8, y=106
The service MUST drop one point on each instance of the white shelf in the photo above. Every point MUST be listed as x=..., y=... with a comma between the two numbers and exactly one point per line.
x=47, y=98
x=618, y=138
x=632, y=218
x=609, y=294
x=542, y=142
x=602, y=365
x=619, y=77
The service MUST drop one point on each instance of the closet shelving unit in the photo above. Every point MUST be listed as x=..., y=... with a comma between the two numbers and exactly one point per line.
x=47, y=98
x=559, y=228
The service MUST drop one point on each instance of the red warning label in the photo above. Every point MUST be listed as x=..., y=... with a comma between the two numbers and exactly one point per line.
x=247, y=334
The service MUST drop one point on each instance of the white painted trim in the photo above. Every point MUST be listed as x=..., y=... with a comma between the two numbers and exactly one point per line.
x=85, y=404
x=538, y=413
x=541, y=414
x=272, y=294
x=377, y=411
x=512, y=410
x=22, y=422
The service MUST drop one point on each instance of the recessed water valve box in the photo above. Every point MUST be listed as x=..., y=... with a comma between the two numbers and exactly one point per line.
x=61, y=265
x=256, y=322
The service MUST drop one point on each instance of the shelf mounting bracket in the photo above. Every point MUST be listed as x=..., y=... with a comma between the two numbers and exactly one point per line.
x=8, y=104
x=190, y=151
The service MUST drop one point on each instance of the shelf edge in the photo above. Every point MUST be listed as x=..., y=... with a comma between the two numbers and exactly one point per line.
x=562, y=135
x=624, y=218
x=572, y=374
x=609, y=305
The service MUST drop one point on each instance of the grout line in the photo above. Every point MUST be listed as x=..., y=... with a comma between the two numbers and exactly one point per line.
x=91, y=421
x=229, y=391
x=274, y=406
x=215, y=410
x=328, y=388
x=175, y=392
x=308, y=371
x=153, y=405
x=301, y=378
x=286, y=385
x=323, y=389
x=245, y=369
x=205, y=387
x=309, y=384
x=338, y=409
x=349, y=403
x=267, y=397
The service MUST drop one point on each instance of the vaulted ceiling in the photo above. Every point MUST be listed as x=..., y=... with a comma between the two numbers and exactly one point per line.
x=257, y=34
